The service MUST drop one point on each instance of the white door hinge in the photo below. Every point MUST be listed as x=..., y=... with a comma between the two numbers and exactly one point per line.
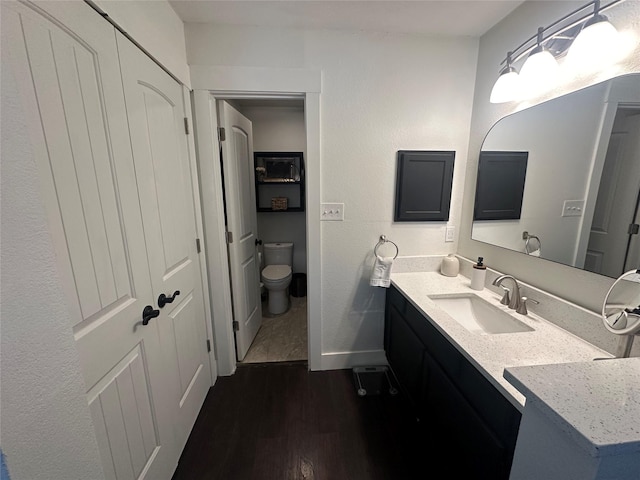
x=221, y=134
x=236, y=326
x=229, y=237
x=198, y=248
x=186, y=125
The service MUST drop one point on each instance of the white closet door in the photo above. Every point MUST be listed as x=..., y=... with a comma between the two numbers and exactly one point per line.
x=156, y=113
x=64, y=57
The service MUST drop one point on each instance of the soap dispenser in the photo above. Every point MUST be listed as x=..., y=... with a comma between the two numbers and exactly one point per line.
x=478, y=275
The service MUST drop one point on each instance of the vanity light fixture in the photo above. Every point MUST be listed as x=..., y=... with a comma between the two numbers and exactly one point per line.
x=591, y=41
x=596, y=44
x=540, y=70
x=507, y=87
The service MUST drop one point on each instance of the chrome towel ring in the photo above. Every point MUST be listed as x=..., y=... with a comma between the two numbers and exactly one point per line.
x=528, y=248
x=381, y=242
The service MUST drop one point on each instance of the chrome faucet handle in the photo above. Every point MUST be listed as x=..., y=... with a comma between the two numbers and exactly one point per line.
x=505, y=298
x=523, y=305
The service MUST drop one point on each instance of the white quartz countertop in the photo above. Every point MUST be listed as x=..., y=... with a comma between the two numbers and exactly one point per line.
x=596, y=403
x=491, y=354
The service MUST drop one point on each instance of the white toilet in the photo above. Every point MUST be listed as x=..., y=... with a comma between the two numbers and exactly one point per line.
x=276, y=275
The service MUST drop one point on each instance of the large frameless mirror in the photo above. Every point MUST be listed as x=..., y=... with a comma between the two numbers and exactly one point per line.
x=576, y=200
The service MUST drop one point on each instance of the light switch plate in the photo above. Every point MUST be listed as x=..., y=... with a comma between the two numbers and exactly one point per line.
x=573, y=208
x=332, y=212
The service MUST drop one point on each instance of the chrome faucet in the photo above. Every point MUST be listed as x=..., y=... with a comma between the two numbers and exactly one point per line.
x=514, y=301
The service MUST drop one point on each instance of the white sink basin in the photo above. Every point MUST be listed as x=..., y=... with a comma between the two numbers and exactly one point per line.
x=477, y=315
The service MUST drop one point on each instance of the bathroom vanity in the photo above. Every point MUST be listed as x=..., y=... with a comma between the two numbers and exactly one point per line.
x=454, y=374
x=449, y=394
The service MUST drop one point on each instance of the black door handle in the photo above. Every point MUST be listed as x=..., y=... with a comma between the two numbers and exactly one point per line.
x=163, y=299
x=148, y=313
x=258, y=242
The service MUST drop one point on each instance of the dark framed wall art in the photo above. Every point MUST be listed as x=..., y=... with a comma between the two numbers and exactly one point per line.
x=424, y=179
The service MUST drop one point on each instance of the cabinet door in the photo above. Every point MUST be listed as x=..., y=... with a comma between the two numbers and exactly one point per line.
x=155, y=113
x=480, y=452
x=63, y=56
x=405, y=355
x=423, y=185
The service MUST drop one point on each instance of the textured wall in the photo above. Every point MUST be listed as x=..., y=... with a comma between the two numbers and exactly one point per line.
x=380, y=93
x=585, y=289
x=47, y=432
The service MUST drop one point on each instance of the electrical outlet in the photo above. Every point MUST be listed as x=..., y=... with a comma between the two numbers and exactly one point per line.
x=332, y=212
x=450, y=233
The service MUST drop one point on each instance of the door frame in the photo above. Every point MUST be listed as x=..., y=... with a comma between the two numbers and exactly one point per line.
x=216, y=83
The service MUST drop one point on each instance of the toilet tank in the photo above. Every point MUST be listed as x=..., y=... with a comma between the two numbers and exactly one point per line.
x=278, y=253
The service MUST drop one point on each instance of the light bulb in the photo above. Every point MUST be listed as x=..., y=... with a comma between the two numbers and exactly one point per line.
x=539, y=73
x=596, y=46
x=506, y=88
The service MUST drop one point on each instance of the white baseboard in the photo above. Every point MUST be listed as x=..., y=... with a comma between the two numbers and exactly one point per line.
x=342, y=360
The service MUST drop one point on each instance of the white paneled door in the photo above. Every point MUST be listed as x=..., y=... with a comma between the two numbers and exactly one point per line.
x=156, y=114
x=122, y=225
x=240, y=202
x=617, y=201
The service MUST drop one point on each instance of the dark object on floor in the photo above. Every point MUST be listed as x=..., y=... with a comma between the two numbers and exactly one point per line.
x=298, y=287
x=373, y=380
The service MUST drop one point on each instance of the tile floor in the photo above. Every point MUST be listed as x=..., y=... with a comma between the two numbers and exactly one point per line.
x=281, y=338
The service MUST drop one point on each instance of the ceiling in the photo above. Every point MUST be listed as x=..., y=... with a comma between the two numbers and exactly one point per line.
x=433, y=18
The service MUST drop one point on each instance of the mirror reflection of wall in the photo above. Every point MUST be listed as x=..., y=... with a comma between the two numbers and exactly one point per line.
x=582, y=181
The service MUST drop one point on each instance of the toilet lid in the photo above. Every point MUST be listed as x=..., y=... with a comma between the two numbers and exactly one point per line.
x=276, y=272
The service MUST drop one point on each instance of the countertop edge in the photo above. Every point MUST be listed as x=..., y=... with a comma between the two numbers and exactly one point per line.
x=594, y=449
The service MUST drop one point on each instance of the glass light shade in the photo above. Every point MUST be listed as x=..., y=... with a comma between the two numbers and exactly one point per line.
x=539, y=73
x=506, y=88
x=597, y=46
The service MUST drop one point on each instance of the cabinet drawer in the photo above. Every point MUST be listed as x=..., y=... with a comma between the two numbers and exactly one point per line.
x=447, y=355
x=395, y=298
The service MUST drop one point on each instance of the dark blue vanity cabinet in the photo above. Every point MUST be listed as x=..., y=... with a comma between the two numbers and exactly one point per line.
x=453, y=401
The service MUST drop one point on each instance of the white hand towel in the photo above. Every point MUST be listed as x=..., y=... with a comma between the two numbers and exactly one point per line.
x=381, y=273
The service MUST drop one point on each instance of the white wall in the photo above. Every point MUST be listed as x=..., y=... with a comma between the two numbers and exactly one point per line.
x=585, y=289
x=380, y=93
x=156, y=27
x=281, y=129
x=43, y=392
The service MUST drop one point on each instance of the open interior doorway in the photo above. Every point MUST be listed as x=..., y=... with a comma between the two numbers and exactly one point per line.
x=267, y=214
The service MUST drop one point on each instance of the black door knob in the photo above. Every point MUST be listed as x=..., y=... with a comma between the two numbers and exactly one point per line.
x=163, y=299
x=258, y=242
x=148, y=313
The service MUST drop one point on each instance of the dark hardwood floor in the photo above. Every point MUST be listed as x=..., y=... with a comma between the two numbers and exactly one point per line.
x=280, y=421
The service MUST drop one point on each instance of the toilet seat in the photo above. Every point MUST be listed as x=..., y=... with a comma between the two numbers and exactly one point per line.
x=276, y=272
